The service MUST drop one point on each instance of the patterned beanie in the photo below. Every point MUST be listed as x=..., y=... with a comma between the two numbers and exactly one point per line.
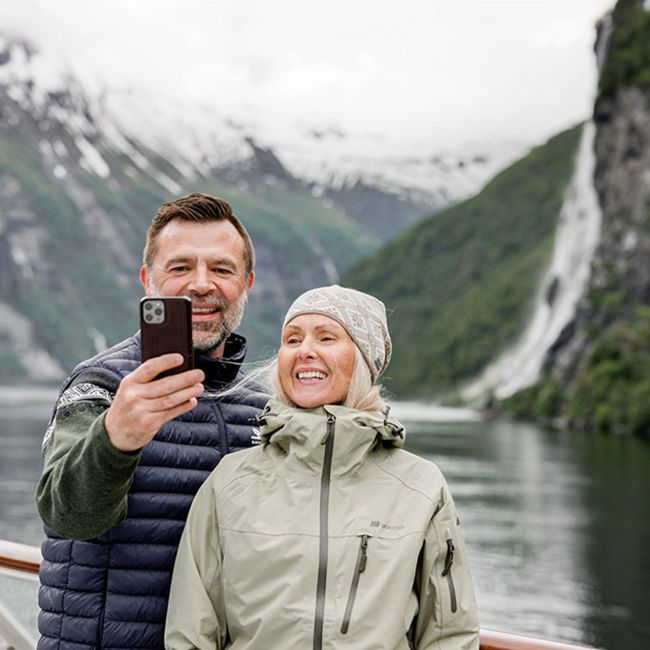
x=362, y=316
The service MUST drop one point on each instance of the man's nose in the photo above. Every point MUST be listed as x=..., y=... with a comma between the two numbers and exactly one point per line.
x=201, y=282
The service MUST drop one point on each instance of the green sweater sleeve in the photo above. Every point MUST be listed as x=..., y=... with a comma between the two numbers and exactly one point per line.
x=83, y=489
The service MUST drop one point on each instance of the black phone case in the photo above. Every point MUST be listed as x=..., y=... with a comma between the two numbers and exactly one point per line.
x=174, y=334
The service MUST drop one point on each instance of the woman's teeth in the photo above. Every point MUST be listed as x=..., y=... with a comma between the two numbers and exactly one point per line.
x=311, y=374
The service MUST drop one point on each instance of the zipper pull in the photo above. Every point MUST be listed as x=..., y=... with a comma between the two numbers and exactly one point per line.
x=330, y=428
x=363, y=557
x=449, y=559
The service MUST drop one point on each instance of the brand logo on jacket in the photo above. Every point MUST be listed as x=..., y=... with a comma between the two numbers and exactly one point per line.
x=380, y=524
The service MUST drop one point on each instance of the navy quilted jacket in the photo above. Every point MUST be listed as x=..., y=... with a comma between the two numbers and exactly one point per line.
x=111, y=592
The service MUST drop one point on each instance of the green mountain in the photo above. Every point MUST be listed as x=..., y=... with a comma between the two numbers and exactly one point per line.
x=459, y=285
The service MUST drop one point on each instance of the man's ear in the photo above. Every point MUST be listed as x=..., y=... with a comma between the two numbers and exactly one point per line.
x=249, y=283
x=144, y=278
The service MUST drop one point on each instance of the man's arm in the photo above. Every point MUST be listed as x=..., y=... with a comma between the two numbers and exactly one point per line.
x=94, y=443
x=82, y=490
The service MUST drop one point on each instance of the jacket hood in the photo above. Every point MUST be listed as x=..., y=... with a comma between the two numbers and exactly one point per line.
x=300, y=434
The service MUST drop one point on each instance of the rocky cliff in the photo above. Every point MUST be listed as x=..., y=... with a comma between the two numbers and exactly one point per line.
x=597, y=375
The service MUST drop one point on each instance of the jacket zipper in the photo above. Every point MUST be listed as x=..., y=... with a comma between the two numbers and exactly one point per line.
x=324, y=533
x=449, y=560
x=360, y=567
x=223, y=434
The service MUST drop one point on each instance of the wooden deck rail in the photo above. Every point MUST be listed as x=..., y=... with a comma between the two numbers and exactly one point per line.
x=26, y=558
x=20, y=556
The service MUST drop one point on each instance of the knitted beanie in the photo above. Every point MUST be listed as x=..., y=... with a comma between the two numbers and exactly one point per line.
x=363, y=317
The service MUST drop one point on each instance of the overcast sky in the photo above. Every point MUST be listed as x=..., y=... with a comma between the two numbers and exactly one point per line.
x=451, y=72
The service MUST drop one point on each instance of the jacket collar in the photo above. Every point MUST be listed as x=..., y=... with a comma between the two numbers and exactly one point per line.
x=219, y=371
x=300, y=434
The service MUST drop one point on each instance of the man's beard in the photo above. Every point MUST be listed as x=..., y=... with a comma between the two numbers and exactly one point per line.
x=208, y=336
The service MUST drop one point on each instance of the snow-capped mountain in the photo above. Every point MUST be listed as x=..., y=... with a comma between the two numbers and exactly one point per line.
x=83, y=170
x=210, y=139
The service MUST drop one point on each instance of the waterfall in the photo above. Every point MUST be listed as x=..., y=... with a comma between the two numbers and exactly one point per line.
x=562, y=288
x=605, y=29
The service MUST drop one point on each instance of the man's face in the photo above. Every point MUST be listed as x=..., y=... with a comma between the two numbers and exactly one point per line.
x=205, y=262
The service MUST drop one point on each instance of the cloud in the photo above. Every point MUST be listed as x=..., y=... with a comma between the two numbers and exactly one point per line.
x=445, y=70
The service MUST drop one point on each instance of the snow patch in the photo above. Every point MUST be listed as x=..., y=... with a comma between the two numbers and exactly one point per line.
x=20, y=333
x=631, y=240
x=60, y=149
x=22, y=261
x=91, y=159
x=98, y=339
x=168, y=183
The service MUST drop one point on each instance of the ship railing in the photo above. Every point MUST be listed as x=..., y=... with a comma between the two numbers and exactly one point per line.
x=19, y=564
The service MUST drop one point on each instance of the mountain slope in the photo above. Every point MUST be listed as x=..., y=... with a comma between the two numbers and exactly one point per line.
x=76, y=196
x=460, y=284
x=82, y=174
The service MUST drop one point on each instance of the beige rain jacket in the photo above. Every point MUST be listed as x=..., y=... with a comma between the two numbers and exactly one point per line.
x=327, y=535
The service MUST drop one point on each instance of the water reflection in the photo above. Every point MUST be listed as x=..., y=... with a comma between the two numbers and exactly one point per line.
x=619, y=548
x=539, y=511
x=557, y=524
x=21, y=433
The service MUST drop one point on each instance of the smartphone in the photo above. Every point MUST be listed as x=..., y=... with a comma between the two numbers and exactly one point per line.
x=166, y=326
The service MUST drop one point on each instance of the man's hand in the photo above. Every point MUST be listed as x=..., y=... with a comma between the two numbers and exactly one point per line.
x=143, y=404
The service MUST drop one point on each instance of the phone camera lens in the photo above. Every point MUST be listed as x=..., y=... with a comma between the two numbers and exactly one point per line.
x=148, y=306
x=158, y=312
x=148, y=317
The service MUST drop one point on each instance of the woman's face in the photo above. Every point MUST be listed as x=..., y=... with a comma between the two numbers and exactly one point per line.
x=316, y=361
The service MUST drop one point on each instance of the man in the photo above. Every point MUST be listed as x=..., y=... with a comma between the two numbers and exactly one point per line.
x=125, y=453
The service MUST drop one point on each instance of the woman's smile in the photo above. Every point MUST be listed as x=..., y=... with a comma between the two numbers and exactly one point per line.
x=316, y=361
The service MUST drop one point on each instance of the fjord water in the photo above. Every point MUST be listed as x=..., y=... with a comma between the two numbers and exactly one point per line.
x=557, y=524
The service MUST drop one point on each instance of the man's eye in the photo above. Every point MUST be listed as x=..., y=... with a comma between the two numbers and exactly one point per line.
x=178, y=269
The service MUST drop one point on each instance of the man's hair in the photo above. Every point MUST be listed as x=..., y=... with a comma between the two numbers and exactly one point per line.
x=200, y=208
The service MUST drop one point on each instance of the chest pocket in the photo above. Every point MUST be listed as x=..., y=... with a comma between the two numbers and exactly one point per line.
x=359, y=568
x=372, y=569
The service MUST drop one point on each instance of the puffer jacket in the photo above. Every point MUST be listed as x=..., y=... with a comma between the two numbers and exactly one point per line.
x=328, y=535
x=110, y=592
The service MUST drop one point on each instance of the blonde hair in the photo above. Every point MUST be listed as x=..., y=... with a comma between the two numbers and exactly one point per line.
x=362, y=394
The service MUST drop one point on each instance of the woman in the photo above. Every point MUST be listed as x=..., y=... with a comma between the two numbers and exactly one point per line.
x=328, y=534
